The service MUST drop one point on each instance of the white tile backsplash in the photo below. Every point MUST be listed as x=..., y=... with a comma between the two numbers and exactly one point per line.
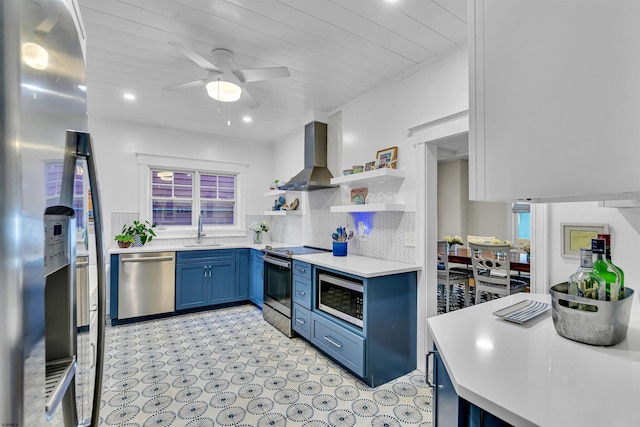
x=384, y=238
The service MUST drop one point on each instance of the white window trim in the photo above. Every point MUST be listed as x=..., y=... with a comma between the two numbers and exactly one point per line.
x=147, y=162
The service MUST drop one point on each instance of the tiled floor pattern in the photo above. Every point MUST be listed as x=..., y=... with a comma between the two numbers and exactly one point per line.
x=229, y=367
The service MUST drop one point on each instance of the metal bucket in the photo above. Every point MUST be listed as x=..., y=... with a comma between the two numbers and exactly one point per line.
x=606, y=326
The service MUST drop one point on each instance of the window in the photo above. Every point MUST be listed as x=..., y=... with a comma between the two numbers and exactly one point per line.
x=174, y=191
x=217, y=199
x=179, y=197
x=53, y=177
x=521, y=221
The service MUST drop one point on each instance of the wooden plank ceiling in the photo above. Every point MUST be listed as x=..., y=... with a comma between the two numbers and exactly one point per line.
x=336, y=51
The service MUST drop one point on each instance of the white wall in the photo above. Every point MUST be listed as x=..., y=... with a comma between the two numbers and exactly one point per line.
x=381, y=119
x=289, y=155
x=457, y=215
x=624, y=227
x=490, y=219
x=453, y=198
x=116, y=145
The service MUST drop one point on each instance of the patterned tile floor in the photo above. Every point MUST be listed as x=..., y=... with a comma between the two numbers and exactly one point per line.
x=229, y=367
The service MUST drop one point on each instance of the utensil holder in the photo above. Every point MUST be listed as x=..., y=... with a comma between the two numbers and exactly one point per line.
x=339, y=248
x=607, y=325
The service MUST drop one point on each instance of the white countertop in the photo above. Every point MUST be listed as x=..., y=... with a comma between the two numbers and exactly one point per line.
x=528, y=375
x=204, y=246
x=353, y=264
x=358, y=265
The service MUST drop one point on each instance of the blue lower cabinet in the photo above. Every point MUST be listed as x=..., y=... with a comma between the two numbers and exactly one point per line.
x=192, y=285
x=384, y=347
x=301, y=321
x=204, y=278
x=243, y=274
x=450, y=410
x=222, y=275
x=343, y=345
x=447, y=411
x=256, y=286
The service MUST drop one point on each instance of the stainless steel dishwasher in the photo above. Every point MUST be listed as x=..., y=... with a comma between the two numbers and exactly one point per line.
x=146, y=284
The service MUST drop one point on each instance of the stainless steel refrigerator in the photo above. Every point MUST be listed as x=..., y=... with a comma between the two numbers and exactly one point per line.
x=50, y=368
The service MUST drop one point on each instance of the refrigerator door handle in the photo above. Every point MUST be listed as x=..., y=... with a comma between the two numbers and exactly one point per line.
x=80, y=144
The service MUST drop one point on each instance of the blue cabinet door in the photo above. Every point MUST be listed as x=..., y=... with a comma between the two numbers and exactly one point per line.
x=192, y=285
x=222, y=277
x=447, y=411
x=243, y=274
x=257, y=284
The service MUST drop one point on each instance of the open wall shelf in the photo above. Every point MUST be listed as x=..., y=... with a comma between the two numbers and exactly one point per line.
x=370, y=177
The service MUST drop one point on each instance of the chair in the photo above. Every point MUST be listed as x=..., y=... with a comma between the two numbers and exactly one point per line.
x=521, y=243
x=449, y=277
x=479, y=239
x=492, y=271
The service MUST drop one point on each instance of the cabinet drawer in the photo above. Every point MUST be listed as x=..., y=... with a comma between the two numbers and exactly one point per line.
x=302, y=269
x=205, y=255
x=301, y=321
x=302, y=291
x=343, y=345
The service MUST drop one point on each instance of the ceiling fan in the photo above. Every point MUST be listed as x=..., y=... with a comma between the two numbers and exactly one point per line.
x=224, y=83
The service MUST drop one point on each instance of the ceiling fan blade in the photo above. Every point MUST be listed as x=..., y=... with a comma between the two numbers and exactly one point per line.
x=248, y=99
x=187, y=85
x=256, y=74
x=195, y=57
x=47, y=25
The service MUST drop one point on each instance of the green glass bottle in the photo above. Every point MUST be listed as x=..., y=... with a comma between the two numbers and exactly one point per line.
x=607, y=258
x=609, y=273
x=585, y=282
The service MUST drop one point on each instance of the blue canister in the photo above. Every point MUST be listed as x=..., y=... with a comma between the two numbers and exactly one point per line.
x=339, y=248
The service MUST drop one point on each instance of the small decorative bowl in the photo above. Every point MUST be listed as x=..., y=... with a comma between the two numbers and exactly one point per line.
x=358, y=168
x=347, y=171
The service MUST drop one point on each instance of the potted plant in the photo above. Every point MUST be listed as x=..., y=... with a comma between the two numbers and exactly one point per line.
x=129, y=232
x=274, y=184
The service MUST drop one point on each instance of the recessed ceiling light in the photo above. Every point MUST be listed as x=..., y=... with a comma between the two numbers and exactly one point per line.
x=247, y=119
x=129, y=97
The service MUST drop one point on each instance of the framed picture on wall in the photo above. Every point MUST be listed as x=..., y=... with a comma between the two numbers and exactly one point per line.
x=387, y=157
x=576, y=236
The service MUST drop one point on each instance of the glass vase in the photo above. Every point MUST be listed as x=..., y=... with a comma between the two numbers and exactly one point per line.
x=453, y=248
x=257, y=237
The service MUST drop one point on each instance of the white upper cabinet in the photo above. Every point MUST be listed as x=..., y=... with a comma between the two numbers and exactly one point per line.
x=555, y=100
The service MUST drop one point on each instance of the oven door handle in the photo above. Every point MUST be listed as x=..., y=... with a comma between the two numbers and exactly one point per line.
x=276, y=261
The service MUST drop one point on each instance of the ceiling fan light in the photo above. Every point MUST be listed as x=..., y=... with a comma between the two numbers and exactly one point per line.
x=35, y=56
x=224, y=91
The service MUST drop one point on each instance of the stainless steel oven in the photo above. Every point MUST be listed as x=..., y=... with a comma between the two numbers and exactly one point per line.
x=277, y=284
x=341, y=297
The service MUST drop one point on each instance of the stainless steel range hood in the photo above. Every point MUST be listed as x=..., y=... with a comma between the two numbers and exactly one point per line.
x=315, y=175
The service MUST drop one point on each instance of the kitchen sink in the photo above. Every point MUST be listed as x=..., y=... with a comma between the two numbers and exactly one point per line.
x=201, y=245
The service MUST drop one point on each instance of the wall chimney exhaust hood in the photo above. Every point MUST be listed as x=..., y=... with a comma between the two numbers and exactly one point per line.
x=315, y=175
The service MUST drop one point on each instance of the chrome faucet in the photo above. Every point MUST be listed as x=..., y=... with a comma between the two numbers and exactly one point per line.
x=200, y=233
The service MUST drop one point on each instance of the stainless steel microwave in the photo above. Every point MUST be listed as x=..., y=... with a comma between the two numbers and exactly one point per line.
x=341, y=298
